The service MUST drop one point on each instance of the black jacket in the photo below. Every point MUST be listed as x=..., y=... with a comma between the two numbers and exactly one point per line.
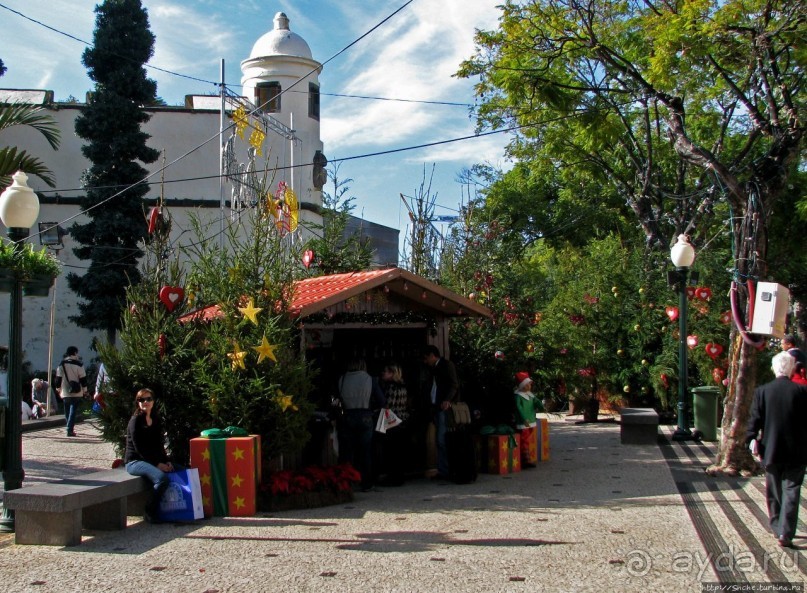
x=144, y=442
x=448, y=385
x=780, y=411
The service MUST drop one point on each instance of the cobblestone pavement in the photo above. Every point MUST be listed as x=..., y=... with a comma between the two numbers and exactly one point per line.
x=599, y=516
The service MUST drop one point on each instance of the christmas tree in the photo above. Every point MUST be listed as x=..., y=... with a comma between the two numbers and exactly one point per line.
x=213, y=337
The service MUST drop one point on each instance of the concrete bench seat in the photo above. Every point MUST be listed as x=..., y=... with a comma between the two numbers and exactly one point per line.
x=55, y=513
x=638, y=426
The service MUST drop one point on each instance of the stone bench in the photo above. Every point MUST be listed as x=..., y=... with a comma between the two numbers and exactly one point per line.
x=638, y=426
x=55, y=513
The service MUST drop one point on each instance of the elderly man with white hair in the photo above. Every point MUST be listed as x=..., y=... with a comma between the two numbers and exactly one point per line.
x=780, y=412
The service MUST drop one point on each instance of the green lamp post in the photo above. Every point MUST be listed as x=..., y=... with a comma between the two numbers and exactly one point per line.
x=682, y=255
x=19, y=208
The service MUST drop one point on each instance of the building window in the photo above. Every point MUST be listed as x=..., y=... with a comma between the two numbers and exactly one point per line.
x=313, y=100
x=267, y=97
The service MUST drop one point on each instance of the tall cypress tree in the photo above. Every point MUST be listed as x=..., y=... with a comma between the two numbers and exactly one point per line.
x=111, y=123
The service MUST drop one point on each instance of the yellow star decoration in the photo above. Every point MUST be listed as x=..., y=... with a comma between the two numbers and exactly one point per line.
x=238, y=454
x=285, y=401
x=206, y=454
x=251, y=311
x=237, y=480
x=240, y=119
x=205, y=479
x=205, y=500
x=239, y=502
x=265, y=350
x=256, y=141
x=237, y=356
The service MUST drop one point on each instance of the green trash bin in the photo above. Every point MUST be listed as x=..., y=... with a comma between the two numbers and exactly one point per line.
x=704, y=401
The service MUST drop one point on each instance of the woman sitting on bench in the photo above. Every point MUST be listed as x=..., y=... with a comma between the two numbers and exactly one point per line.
x=145, y=450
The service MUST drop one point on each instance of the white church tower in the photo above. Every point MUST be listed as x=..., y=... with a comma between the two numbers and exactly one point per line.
x=281, y=78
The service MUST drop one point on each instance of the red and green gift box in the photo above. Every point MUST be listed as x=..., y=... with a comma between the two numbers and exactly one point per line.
x=528, y=443
x=229, y=472
x=543, y=439
x=503, y=454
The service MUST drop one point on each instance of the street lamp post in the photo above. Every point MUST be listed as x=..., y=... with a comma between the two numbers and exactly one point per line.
x=19, y=208
x=682, y=255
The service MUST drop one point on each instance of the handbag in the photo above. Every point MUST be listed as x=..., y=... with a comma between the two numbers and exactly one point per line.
x=182, y=500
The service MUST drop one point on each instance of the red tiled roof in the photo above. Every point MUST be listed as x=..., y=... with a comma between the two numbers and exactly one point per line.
x=315, y=294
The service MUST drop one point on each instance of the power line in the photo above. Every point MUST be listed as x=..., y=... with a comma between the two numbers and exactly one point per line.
x=218, y=134
x=88, y=44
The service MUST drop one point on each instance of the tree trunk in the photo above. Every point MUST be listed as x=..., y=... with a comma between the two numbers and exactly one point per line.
x=750, y=249
x=733, y=456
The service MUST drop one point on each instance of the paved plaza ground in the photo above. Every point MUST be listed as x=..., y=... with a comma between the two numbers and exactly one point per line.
x=599, y=516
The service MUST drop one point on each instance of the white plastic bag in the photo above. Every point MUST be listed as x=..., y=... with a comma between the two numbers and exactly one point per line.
x=381, y=423
x=391, y=418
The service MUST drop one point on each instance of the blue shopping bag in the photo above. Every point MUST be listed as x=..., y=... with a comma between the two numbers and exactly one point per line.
x=182, y=500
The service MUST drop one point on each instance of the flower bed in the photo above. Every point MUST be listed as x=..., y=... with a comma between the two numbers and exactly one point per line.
x=308, y=488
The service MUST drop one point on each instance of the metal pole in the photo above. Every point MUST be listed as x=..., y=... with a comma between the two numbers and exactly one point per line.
x=221, y=157
x=51, y=395
x=13, y=473
x=682, y=432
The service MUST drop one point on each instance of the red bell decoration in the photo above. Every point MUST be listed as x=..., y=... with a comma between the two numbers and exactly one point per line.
x=672, y=313
x=692, y=341
x=718, y=375
x=171, y=296
x=713, y=350
x=308, y=258
x=704, y=293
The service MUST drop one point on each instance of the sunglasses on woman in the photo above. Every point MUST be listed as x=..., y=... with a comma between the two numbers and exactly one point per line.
x=140, y=400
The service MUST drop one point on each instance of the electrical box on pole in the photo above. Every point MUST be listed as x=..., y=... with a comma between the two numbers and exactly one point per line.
x=770, y=309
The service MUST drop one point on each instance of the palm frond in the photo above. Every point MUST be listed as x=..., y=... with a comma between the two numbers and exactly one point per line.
x=22, y=114
x=13, y=160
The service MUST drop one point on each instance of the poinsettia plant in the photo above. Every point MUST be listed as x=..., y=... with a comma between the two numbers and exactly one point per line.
x=336, y=478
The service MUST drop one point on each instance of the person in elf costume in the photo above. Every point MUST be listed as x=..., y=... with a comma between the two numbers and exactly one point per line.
x=526, y=410
x=527, y=405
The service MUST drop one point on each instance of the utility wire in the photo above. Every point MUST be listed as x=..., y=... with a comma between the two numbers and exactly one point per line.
x=88, y=44
x=218, y=134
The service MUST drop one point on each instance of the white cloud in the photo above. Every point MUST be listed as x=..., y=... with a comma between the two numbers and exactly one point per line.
x=413, y=56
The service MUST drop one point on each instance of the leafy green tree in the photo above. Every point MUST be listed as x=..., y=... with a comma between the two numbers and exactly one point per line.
x=335, y=251
x=116, y=147
x=679, y=106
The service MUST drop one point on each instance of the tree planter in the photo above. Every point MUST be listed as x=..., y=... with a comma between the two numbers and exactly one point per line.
x=6, y=279
x=38, y=285
x=591, y=410
x=303, y=500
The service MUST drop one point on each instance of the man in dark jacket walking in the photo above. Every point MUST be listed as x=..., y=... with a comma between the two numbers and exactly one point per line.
x=780, y=412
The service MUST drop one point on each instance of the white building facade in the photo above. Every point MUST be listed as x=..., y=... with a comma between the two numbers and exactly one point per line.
x=276, y=128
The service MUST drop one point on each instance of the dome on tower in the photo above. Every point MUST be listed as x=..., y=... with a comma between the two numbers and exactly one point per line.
x=280, y=41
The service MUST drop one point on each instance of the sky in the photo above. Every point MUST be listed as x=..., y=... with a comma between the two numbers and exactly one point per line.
x=411, y=56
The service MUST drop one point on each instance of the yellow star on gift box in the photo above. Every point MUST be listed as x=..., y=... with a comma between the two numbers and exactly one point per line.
x=237, y=480
x=285, y=401
x=239, y=502
x=238, y=453
x=251, y=311
x=205, y=479
x=265, y=350
x=237, y=356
